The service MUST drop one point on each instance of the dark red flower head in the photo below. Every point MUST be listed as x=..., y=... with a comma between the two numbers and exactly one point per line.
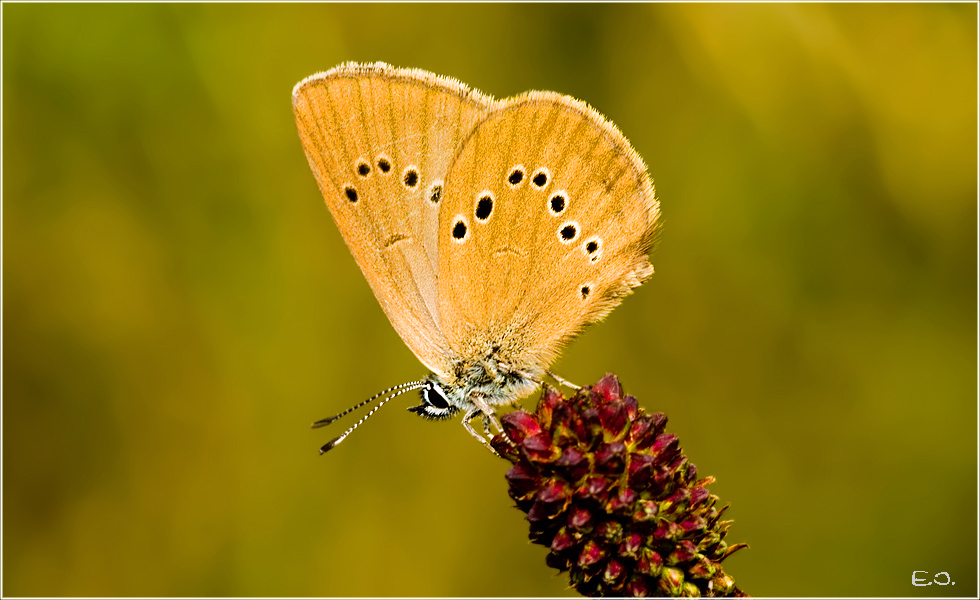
x=614, y=498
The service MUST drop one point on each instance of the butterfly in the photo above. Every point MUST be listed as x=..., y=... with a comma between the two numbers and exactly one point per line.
x=491, y=231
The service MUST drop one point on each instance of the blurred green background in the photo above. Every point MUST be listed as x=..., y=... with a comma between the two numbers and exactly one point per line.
x=179, y=306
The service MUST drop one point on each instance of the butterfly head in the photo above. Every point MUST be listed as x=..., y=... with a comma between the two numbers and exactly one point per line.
x=486, y=378
x=473, y=387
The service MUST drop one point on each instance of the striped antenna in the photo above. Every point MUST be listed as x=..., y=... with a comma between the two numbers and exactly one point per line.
x=401, y=389
x=330, y=420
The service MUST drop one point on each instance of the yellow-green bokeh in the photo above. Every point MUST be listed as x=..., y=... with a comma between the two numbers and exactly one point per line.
x=178, y=305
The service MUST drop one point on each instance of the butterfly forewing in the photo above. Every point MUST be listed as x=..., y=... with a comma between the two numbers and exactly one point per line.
x=557, y=213
x=379, y=141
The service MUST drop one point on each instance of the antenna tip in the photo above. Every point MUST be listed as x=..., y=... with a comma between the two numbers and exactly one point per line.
x=323, y=422
x=331, y=444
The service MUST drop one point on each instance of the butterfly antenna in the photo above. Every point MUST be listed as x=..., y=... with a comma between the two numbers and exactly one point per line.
x=407, y=387
x=330, y=420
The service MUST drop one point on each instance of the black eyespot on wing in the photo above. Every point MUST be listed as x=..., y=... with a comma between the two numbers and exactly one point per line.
x=384, y=165
x=568, y=232
x=351, y=193
x=516, y=176
x=540, y=179
x=585, y=292
x=484, y=207
x=363, y=169
x=436, y=193
x=557, y=203
x=411, y=178
x=459, y=230
x=593, y=248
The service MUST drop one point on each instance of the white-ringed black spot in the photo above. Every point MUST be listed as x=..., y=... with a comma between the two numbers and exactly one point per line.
x=568, y=232
x=593, y=248
x=541, y=178
x=435, y=193
x=363, y=169
x=351, y=193
x=384, y=164
x=411, y=177
x=586, y=290
x=484, y=206
x=557, y=203
x=516, y=175
x=459, y=231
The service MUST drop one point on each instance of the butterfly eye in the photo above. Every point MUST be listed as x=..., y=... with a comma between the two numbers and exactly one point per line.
x=434, y=397
x=384, y=164
x=435, y=404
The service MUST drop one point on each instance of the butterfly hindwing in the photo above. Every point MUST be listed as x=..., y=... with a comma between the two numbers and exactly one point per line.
x=548, y=218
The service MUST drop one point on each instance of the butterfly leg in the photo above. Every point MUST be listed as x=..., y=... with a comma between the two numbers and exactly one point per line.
x=469, y=427
x=489, y=416
x=564, y=381
x=486, y=426
x=488, y=413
